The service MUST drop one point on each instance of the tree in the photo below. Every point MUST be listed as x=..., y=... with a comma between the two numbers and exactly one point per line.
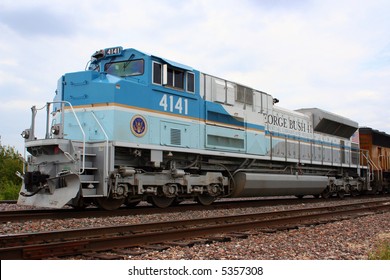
x=9, y=163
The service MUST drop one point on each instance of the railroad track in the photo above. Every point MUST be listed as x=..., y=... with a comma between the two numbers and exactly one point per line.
x=38, y=214
x=45, y=245
x=8, y=201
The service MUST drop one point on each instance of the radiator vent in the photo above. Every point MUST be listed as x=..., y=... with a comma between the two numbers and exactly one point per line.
x=175, y=136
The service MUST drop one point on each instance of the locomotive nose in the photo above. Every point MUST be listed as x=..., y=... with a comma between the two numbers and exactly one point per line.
x=56, y=193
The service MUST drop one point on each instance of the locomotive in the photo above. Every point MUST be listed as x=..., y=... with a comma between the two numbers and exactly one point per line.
x=137, y=127
x=377, y=147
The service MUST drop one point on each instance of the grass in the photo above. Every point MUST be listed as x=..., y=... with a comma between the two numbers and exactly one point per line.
x=381, y=250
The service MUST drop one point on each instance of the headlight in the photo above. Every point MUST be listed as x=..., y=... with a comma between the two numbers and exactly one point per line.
x=55, y=129
x=25, y=134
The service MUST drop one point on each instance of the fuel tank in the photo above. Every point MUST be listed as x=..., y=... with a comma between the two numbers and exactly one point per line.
x=258, y=184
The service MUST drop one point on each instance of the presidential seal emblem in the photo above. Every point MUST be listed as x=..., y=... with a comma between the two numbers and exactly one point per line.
x=138, y=125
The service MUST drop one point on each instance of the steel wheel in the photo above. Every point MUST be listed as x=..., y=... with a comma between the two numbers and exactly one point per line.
x=162, y=201
x=326, y=193
x=341, y=194
x=354, y=193
x=108, y=203
x=205, y=199
x=79, y=207
x=132, y=203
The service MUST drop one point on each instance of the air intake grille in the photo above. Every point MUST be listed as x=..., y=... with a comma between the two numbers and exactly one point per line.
x=175, y=136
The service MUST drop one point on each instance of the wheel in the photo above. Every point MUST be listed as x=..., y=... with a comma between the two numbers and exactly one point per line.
x=354, y=193
x=132, y=203
x=205, y=199
x=108, y=203
x=340, y=194
x=326, y=193
x=299, y=196
x=162, y=201
x=177, y=201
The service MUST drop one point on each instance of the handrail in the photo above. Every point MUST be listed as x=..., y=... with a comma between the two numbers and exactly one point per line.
x=47, y=136
x=386, y=161
x=369, y=165
x=372, y=164
x=379, y=169
x=62, y=118
x=106, y=136
x=81, y=128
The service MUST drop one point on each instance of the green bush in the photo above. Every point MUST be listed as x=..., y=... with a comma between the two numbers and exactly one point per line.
x=9, y=191
x=10, y=163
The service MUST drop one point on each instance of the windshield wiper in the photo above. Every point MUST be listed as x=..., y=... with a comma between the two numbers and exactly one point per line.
x=128, y=62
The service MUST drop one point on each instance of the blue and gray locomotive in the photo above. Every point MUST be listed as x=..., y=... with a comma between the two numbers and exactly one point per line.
x=137, y=127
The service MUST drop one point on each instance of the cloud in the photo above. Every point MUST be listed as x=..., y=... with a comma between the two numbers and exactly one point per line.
x=37, y=21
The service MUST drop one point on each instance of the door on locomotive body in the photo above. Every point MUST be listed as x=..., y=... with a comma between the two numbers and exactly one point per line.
x=306, y=143
x=292, y=138
x=344, y=153
x=254, y=107
x=279, y=141
x=317, y=149
x=300, y=124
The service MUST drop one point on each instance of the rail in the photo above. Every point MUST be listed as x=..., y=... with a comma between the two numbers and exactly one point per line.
x=43, y=245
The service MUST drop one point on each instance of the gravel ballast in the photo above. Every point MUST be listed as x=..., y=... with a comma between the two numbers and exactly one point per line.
x=343, y=240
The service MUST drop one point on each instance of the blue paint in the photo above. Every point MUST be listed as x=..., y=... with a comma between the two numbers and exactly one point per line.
x=155, y=114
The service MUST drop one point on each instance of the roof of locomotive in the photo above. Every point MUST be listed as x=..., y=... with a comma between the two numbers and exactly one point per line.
x=330, y=123
x=120, y=51
x=379, y=138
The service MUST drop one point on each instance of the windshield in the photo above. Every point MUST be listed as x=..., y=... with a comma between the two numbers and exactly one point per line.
x=125, y=68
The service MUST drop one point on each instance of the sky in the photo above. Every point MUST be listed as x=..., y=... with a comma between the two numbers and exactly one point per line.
x=332, y=55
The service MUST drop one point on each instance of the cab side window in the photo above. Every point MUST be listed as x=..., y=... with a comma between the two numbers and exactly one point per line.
x=176, y=78
x=157, y=73
x=190, y=82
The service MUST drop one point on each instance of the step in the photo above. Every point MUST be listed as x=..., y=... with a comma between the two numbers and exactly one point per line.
x=88, y=192
x=89, y=168
x=89, y=182
x=88, y=155
x=87, y=178
x=88, y=164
